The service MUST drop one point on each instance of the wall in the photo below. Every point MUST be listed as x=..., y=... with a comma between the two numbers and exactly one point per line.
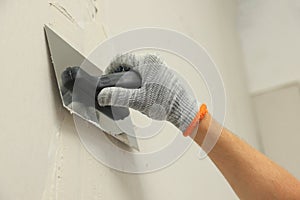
x=269, y=32
x=278, y=118
x=40, y=153
x=31, y=112
x=270, y=36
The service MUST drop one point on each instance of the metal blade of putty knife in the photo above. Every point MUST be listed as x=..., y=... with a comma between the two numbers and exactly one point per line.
x=64, y=56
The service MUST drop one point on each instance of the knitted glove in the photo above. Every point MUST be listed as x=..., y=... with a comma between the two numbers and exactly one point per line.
x=162, y=96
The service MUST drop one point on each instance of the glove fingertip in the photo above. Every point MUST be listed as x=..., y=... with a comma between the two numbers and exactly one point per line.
x=105, y=97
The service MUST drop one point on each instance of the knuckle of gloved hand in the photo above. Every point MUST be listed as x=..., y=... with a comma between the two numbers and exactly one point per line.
x=152, y=59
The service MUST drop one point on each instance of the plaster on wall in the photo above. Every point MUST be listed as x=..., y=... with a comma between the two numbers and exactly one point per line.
x=148, y=186
x=42, y=157
x=62, y=10
x=30, y=126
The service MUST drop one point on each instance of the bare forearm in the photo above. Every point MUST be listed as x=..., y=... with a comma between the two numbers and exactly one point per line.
x=251, y=174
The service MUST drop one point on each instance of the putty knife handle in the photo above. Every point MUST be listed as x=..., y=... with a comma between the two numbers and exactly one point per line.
x=129, y=79
x=88, y=87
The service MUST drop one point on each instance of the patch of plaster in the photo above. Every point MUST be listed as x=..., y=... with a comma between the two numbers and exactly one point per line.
x=104, y=30
x=55, y=160
x=63, y=11
x=87, y=13
x=92, y=9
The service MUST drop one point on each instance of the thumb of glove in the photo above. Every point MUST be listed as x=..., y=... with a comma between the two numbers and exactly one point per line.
x=116, y=96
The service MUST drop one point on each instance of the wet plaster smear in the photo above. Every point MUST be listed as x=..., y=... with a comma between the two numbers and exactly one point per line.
x=40, y=153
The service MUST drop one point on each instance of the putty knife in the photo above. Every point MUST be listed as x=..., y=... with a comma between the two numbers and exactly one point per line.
x=79, y=87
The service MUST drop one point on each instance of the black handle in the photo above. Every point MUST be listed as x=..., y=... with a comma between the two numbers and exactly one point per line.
x=87, y=88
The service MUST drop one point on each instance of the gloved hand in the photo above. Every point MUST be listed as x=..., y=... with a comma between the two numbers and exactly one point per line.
x=162, y=96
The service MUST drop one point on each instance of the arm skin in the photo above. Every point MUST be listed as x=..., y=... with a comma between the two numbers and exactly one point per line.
x=251, y=174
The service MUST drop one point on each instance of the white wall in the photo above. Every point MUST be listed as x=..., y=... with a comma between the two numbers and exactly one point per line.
x=31, y=112
x=40, y=153
x=278, y=114
x=269, y=33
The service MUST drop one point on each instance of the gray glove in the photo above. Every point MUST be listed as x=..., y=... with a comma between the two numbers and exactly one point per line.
x=162, y=96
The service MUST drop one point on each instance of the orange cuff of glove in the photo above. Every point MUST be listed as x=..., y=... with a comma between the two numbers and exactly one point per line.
x=200, y=115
